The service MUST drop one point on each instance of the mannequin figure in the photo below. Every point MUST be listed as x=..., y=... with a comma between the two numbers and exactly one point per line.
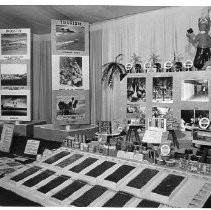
x=202, y=39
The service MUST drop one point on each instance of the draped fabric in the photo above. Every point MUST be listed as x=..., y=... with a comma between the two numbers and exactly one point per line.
x=41, y=77
x=162, y=32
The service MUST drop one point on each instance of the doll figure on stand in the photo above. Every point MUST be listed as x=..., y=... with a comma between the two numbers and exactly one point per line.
x=202, y=39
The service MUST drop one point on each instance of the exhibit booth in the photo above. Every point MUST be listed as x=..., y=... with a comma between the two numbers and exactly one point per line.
x=108, y=114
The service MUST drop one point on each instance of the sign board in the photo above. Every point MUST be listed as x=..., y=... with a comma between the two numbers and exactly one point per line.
x=6, y=137
x=32, y=147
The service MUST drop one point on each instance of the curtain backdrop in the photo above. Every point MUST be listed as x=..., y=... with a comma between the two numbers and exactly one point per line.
x=41, y=77
x=162, y=32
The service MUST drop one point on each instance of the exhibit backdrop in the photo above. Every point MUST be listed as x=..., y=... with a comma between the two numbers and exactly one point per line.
x=15, y=84
x=70, y=72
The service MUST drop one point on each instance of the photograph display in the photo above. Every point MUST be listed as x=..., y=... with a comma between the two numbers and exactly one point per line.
x=70, y=37
x=15, y=43
x=71, y=71
x=162, y=112
x=191, y=118
x=136, y=89
x=13, y=74
x=13, y=105
x=136, y=111
x=194, y=90
x=163, y=89
x=70, y=106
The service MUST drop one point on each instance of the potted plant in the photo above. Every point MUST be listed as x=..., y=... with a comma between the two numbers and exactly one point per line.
x=177, y=61
x=112, y=69
x=136, y=61
x=155, y=62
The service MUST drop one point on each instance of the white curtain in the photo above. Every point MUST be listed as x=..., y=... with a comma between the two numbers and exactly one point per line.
x=162, y=32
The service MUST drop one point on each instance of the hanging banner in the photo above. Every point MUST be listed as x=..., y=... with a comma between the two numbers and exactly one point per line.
x=70, y=37
x=70, y=72
x=15, y=105
x=6, y=137
x=15, y=44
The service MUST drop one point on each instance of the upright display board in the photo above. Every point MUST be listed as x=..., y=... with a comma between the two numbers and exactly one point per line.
x=184, y=96
x=70, y=72
x=15, y=55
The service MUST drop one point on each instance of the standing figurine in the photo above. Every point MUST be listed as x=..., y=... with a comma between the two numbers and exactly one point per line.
x=202, y=39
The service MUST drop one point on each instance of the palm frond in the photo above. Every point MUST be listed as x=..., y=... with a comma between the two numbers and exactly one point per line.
x=118, y=57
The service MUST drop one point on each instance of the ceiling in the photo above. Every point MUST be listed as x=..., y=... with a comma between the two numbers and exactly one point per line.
x=38, y=17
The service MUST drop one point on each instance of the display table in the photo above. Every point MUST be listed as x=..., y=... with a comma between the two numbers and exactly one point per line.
x=69, y=177
x=59, y=133
x=26, y=129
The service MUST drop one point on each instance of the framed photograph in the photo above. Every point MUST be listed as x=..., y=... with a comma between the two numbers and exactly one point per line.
x=162, y=112
x=195, y=90
x=15, y=76
x=163, y=89
x=15, y=43
x=191, y=118
x=71, y=107
x=70, y=72
x=15, y=105
x=70, y=37
x=136, y=89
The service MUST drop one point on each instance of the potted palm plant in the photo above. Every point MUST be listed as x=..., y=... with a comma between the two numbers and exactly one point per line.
x=112, y=69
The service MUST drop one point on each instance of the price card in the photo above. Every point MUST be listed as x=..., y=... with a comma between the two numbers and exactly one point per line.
x=129, y=155
x=138, y=157
x=6, y=137
x=121, y=154
x=32, y=147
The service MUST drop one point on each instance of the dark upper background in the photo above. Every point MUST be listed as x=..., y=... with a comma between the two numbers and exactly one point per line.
x=38, y=17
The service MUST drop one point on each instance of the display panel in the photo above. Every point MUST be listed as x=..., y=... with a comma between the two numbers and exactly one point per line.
x=136, y=89
x=15, y=105
x=194, y=90
x=163, y=89
x=15, y=84
x=71, y=107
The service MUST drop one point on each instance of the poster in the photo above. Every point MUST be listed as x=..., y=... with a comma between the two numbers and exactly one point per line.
x=163, y=89
x=15, y=43
x=71, y=107
x=136, y=89
x=15, y=105
x=69, y=37
x=194, y=90
x=70, y=72
x=15, y=76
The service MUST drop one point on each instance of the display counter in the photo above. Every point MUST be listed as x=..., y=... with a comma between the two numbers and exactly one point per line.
x=59, y=133
x=26, y=129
